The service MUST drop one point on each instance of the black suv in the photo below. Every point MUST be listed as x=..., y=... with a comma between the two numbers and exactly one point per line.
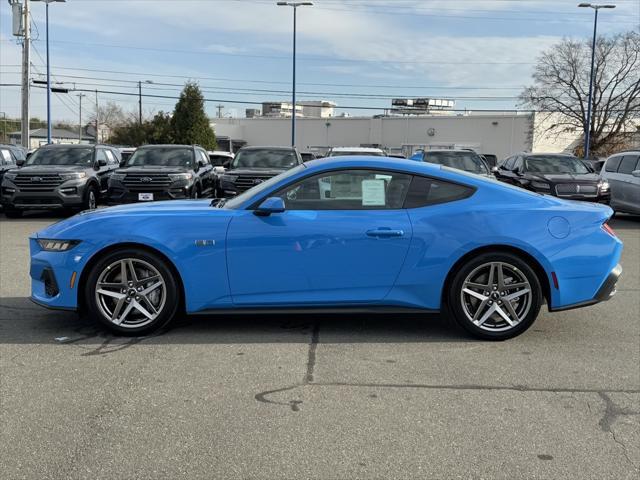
x=10, y=155
x=162, y=172
x=59, y=176
x=560, y=175
x=253, y=165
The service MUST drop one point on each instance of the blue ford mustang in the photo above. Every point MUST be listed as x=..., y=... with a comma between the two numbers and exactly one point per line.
x=348, y=233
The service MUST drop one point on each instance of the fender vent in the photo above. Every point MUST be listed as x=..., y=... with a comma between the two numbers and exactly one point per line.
x=50, y=285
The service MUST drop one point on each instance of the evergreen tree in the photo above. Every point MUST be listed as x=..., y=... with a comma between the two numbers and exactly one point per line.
x=190, y=123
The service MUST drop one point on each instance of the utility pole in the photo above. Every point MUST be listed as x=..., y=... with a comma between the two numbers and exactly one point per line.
x=139, y=102
x=97, y=117
x=26, y=73
x=219, y=107
x=80, y=95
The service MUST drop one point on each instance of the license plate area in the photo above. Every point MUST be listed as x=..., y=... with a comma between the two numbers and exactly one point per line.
x=145, y=197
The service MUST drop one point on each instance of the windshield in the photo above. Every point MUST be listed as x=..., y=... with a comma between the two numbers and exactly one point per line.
x=467, y=161
x=254, y=191
x=550, y=164
x=61, y=156
x=337, y=153
x=161, y=157
x=265, y=159
x=219, y=160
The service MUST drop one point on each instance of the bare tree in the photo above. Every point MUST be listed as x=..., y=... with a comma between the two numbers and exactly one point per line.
x=110, y=114
x=561, y=87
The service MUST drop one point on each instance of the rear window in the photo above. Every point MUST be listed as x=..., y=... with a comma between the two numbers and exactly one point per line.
x=266, y=158
x=628, y=164
x=612, y=164
x=162, y=157
x=428, y=191
x=467, y=161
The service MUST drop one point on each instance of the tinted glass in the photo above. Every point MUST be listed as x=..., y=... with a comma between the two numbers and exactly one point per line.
x=348, y=190
x=218, y=160
x=166, y=157
x=265, y=159
x=555, y=164
x=628, y=164
x=61, y=156
x=125, y=156
x=355, y=152
x=5, y=157
x=612, y=164
x=111, y=159
x=101, y=155
x=467, y=161
x=427, y=191
x=19, y=154
x=508, y=163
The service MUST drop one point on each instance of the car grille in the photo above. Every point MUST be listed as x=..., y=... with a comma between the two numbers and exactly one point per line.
x=46, y=182
x=245, y=182
x=147, y=182
x=572, y=189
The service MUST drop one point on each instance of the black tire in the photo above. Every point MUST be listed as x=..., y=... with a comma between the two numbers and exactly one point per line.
x=90, y=201
x=12, y=212
x=458, y=305
x=195, y=192
x=169, y=307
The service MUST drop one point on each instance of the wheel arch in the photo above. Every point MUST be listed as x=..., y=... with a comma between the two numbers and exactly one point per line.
x=95, y=258
x=535, y=265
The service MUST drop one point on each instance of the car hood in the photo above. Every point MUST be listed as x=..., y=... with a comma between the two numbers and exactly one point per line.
x=567, y=177
x=34, y=169
x=154, y=169
x=256, y=171
x=170, y=208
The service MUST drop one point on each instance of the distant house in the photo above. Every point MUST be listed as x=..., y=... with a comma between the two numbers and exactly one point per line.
x=38, y=137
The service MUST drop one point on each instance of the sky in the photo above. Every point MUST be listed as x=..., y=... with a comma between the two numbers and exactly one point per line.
x=357, y=53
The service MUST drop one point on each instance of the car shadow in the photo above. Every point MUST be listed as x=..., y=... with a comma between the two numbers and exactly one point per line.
x=625, y=221
x=22, y=322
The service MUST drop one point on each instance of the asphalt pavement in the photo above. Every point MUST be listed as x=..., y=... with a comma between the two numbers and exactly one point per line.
x=323, y=397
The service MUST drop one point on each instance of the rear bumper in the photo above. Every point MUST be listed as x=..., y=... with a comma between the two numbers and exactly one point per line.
x=606, y=291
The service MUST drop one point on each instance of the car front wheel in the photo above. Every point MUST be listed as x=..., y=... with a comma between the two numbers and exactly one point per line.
x=132, y=292
x=495, y=296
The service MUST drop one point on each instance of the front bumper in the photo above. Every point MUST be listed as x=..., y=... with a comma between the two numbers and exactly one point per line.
x=606, y=291
x=118, y=193
x=68, y=195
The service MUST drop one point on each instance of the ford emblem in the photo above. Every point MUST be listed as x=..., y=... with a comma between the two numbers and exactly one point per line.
x=145, y=180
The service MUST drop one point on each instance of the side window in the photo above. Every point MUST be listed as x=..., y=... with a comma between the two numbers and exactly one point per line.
x=348, y=190
x=508, y=163
x=428, y=191
x=517, y=164
x=202, y=157
x=100, y=155
x=19, y=154
x=612, y=164
x=5, y=157
x=628, y=164
x=111, y=159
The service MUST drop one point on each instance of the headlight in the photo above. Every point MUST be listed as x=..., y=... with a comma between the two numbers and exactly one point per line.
x=10, y=176
x=603, y=186
x=73, y=175
x=57, y=245
x=229, y=178
x=540, y=185
x=118, y=176
x=180, y=176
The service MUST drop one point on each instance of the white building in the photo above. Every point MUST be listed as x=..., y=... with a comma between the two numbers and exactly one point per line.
x=318, y=109
x=500, y=134
x=280, y=109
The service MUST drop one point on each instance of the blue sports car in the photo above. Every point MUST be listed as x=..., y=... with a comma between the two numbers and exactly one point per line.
x=342, y=234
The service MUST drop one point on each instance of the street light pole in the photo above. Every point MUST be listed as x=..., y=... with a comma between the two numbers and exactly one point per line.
x=47, y=2
x=140, y=100
x=295, y=6
x=587, y=129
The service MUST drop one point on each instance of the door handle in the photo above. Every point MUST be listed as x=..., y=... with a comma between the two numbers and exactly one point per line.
x=385, y=233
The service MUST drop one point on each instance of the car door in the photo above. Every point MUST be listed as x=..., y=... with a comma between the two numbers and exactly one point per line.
x=628, y=198
x=204, y=172
x=610, y=173
x=503, y=172
x=341, y=240
x=102, y=168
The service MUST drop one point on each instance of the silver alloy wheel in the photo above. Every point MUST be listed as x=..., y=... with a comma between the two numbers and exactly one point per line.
x=130, y=293
x=92, y=200
x=496, y=296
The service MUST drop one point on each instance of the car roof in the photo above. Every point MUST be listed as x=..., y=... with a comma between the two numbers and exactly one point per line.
x=356, y=149
x=449, y=150
x=268, y=148
x=220, y=152
x=73, y=145
x=167, y=145
x=529, y=154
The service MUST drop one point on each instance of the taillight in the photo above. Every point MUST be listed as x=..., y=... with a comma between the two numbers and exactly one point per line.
x=609, y=230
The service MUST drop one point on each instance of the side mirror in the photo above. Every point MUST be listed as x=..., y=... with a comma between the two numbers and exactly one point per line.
x=20, y=163
x=269, y=206
x=101, y=163
x=636, y=173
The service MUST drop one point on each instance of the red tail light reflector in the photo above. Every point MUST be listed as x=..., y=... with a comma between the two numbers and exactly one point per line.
x=609, y=230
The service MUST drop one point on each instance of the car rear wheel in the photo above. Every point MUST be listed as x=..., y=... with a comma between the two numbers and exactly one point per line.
x=132, y=292
x=495, y=296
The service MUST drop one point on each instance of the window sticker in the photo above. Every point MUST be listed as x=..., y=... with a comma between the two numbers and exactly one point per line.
x=373, y=193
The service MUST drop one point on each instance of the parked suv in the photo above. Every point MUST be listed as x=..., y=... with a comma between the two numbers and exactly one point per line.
x=560, y=175
x=59, y=176
x=253, y=165
x=10, y=155
x=622, y=171
x=162, y=172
